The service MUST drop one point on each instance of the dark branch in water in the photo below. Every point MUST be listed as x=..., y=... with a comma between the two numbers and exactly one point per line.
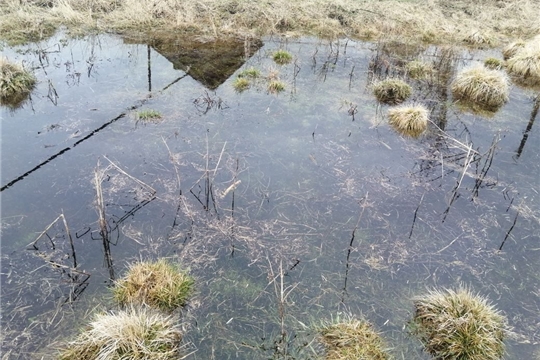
x=509, y=231
x=534, y=113
x=415, y=213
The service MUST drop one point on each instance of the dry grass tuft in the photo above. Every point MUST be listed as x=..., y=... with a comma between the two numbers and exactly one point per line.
x=250, y=73
x=158, y=284
x=409, y=120
x=148, y=115
x=352, y=339
x=459, y=325
x=511, y=49
x=493, y=63
x=418, y=69
x=16, y=83
x=524, y=65
x=479, y=39
x=485, y=88
x=132, y=334
x=392, y=91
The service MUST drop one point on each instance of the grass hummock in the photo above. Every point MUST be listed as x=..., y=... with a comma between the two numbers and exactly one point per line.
x=352, y=339
x=241, y=83
x=250, y=73
x=16, y=83
x=459, y=325
x=409, y=120
x=512, y=48
x=158, y=284
x=148, y=115
x=524, y=65
x=276, y=86
x=480, y=87
x=392, y=91
x=282, y=57
x=134, y=334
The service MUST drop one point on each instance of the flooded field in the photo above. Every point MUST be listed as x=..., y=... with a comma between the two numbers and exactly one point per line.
x=291, y=207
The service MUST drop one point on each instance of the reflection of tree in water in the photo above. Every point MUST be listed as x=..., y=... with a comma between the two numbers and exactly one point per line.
x=534, y=113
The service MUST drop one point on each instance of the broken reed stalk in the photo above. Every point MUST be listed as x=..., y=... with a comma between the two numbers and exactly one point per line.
x=347, y=262
x=33, y=243
x=415, y=214
x=509, y=231
x=143, y=184
x=487, y=164
x=70, y=241
x=104, y=231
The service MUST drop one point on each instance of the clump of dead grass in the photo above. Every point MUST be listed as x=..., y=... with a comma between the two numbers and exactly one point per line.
x=276, y=86
x=479, y=39
x=418, y=69
x=16, y=83
x=459, y=325
x=136, y=333
x=524, y=65
x=511, y=49
x=241, y=84
x=282, y=57
x=392, y=91
x=481, y=87
x=158, y=284
x=409, y=120
x=352, y=339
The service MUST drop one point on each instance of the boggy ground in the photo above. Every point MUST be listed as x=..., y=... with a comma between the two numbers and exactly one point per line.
x=482, y=22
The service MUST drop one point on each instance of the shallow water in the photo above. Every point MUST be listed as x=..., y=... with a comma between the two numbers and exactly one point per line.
x=313, y=166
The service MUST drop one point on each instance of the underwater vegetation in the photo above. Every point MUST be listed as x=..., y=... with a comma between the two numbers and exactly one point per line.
x=493, y=63
x=480, y=87
x=158, y=284
x=352, y=339
x=409, y=120
x=392, y=91
x=16, y=83
x=137, y=333
x=459, y=325
x=418, y=69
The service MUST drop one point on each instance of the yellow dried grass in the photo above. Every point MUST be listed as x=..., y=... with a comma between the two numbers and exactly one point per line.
x=409, y=120
x=488, y=89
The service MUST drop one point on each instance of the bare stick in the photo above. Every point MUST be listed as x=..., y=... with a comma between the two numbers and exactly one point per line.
x=131, y=177
x=33, y=243
x=70, y=240
x=509, y=231
x=104, y=231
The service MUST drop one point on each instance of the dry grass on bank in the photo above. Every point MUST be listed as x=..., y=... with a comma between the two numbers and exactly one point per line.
x=16, y=83
x=524, y=64
x=443, y=21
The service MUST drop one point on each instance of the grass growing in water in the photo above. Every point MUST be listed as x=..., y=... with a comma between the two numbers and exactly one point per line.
x=392, y=91
x=158, y=284
x=240, y=84
x=276, y=86
x=524, y=65
x=135, y=333
x=16, y=83
x=250, y=73
x=478, y=86
x=418, y=69
x=409, y=120
x=459, y=325
x=282, y=57
x=493, y=63
x=352, y=339
x=148, y=115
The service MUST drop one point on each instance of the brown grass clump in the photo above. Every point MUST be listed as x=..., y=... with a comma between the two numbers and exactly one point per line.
x=511, y=49
x=16, y=83
x=459, y=325
x=392, y=91
x=479, y=39
x=524, y=65
x=276, y=86
x=132, y=334
x=481, y=87
x=158, y=284
x=351, y=340
x=409, y=120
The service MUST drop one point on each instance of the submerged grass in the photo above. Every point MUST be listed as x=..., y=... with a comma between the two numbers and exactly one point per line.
x=352, y=339
x=418, y=69
x=493, y=63
x=392, y=91
x=488, y=89
x=132, y=334
x=148, y=115
x=459, y=325
x=16, y=83
x=158, y=284
x=442, y=20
